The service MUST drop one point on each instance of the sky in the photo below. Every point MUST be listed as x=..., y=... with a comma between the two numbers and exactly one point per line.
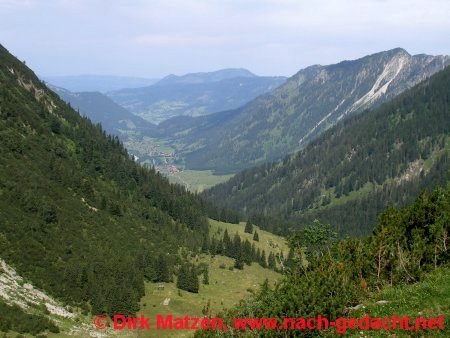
x=154, y=38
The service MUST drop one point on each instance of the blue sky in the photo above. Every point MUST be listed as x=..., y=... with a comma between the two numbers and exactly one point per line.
x=153, y=38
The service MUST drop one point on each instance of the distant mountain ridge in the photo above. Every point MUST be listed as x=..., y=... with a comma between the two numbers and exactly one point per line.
x=288, y=118
x=100, y=83
x=206, y=77
x=101, y=109
x=195, y=94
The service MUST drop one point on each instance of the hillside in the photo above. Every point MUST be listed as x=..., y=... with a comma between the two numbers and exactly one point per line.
x=400, y=269
x=425, y=298
x=288, y=118
x=225, y=287
x=194, y=94
x=99, y=108
x=348, y=175
x=79, y=219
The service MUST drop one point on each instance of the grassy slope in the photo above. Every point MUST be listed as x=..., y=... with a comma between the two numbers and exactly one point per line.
x=225, y=289
x=427, y=298
x=267, y=241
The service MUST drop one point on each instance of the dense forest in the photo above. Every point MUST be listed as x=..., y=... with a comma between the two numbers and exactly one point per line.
x=78, y=217
x=328, y=276
x=355, y=169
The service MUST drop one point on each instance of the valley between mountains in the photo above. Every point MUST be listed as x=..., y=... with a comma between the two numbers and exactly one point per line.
x=225, y=194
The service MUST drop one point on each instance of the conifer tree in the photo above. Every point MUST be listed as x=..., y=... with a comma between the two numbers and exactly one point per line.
x=236, y=248
x=263, y=261
x=194, y=284
x=272, y=263
x=238, y=263
x=246, y=252
x=182, y=278
x=206, y=276
x=162, y=270
x=254, y=253
x=227, y=244
x=248, y=227
x=187, y=278
x=256, y=236
x=205, y=244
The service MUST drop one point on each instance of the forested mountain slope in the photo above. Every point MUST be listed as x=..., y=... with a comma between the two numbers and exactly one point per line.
x=289, y=117
x=348, y=175
x=79, y=218
x=99, y=108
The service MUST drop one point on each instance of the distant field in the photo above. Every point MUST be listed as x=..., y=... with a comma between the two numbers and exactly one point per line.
x=197, y=181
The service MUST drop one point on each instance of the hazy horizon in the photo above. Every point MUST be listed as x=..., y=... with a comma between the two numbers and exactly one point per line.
x=154, y=39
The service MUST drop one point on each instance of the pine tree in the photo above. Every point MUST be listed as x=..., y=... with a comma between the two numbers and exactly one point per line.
x=227, y=244
x=182, y=278
x=248, y=227
x=206, y=276
x=187, y=278
x=289, y=261
x=236, y=249
x=205, y=244
x=162, y=270
x=272, y=263
x=263, y=261
x=254, y=253
x=238, y=263
x=256, y=236
x=246, y=252
x=194, y=284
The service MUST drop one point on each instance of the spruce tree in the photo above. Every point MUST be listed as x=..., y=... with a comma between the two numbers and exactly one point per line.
x=238, y=263
x=206, y=276
x=236, y=248
x=227, y=244
x=194, y=284
x=248, y=227
x=205, y=244
x=162, y=270
x=187, y=278
x=256, y=236
x=247, y=252
x=263, y=261
x=289, y=261
x=272, y=263
x=182, y=278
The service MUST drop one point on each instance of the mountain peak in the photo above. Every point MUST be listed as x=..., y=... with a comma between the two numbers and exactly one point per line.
x=398, y=50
